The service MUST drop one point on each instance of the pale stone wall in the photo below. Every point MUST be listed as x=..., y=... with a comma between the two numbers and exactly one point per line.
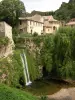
x=33, y=26
x=6, y=31
x=6, y=50
x=51, y=29
x=23, y=26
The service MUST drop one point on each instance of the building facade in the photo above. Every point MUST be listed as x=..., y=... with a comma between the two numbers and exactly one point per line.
x=31, y=24
x=50, y=25
x=71, y=23
x=39, y=24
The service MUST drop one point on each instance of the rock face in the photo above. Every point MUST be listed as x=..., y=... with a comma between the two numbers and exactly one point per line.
x=63, y=94
x=6, y=50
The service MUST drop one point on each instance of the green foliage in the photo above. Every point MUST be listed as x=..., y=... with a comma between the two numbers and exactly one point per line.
x=44, y=98
x=4, y=41
x=57, y=53
x=35, y=34
x=15, y=32
x=37, y=40
x=66, y=11
x=13, y=69
x=7, y=93
x=42, y=13
x=46, y=53
x=11, y=10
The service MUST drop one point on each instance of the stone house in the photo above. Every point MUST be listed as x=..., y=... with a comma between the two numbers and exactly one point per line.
x=50, y=24
x=31, y=24
x=71, y=23
x=39, y=24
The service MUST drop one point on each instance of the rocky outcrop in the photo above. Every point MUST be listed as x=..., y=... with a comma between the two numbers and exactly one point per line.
x=63, y=94
x=6, y=50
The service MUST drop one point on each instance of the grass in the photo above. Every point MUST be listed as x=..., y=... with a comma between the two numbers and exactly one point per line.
x=8, y=93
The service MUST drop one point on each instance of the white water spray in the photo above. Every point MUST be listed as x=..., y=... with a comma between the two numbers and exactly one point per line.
x=25, y=66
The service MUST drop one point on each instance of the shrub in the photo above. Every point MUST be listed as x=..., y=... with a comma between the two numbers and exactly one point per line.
x=4, y=41
x=44, y=98
x=35, y=34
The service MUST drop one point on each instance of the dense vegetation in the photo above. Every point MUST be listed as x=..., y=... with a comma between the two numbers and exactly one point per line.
x=66, y=11
x=58, y=54
x=12, y=68
x=4, y=41
x=11, y=10
x=7, y=93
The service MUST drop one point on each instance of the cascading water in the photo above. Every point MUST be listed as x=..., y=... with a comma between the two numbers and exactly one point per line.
x=25, y=66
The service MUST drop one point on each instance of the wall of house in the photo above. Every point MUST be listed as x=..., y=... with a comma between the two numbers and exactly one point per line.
x=23, y=26
x=33, y=27
x=54, y=26
x=48, y=30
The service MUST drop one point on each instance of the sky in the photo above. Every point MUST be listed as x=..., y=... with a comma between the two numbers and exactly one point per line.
x=42, y=5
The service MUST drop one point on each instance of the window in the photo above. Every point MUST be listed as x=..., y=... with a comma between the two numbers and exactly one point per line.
x=21, y=30
x=20, y=22
x=54, y=28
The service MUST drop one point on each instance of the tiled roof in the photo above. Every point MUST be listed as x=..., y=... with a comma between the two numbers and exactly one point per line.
x=70, y=23
x=49, y=18
x=36, y=17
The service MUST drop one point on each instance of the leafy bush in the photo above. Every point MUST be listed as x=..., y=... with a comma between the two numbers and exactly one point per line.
x=4, y=41
x=15, y=31
x=35, y=34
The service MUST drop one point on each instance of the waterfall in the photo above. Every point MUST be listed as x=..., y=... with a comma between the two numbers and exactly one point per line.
x=25, y=66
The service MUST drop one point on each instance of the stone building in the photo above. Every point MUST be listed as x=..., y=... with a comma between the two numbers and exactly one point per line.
x=50, y=24
x=71, y=23
x=39, y=24
x=31, y=24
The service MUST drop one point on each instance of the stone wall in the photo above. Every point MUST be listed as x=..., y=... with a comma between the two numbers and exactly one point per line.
x=6, y=50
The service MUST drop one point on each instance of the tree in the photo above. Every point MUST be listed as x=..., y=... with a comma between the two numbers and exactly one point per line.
x=47, y=53
x=66, y=11
x=11, y=10
x=58, y=54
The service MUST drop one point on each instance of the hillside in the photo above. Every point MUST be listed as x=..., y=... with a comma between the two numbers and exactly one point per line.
x=66, y=11
x=7, y=93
